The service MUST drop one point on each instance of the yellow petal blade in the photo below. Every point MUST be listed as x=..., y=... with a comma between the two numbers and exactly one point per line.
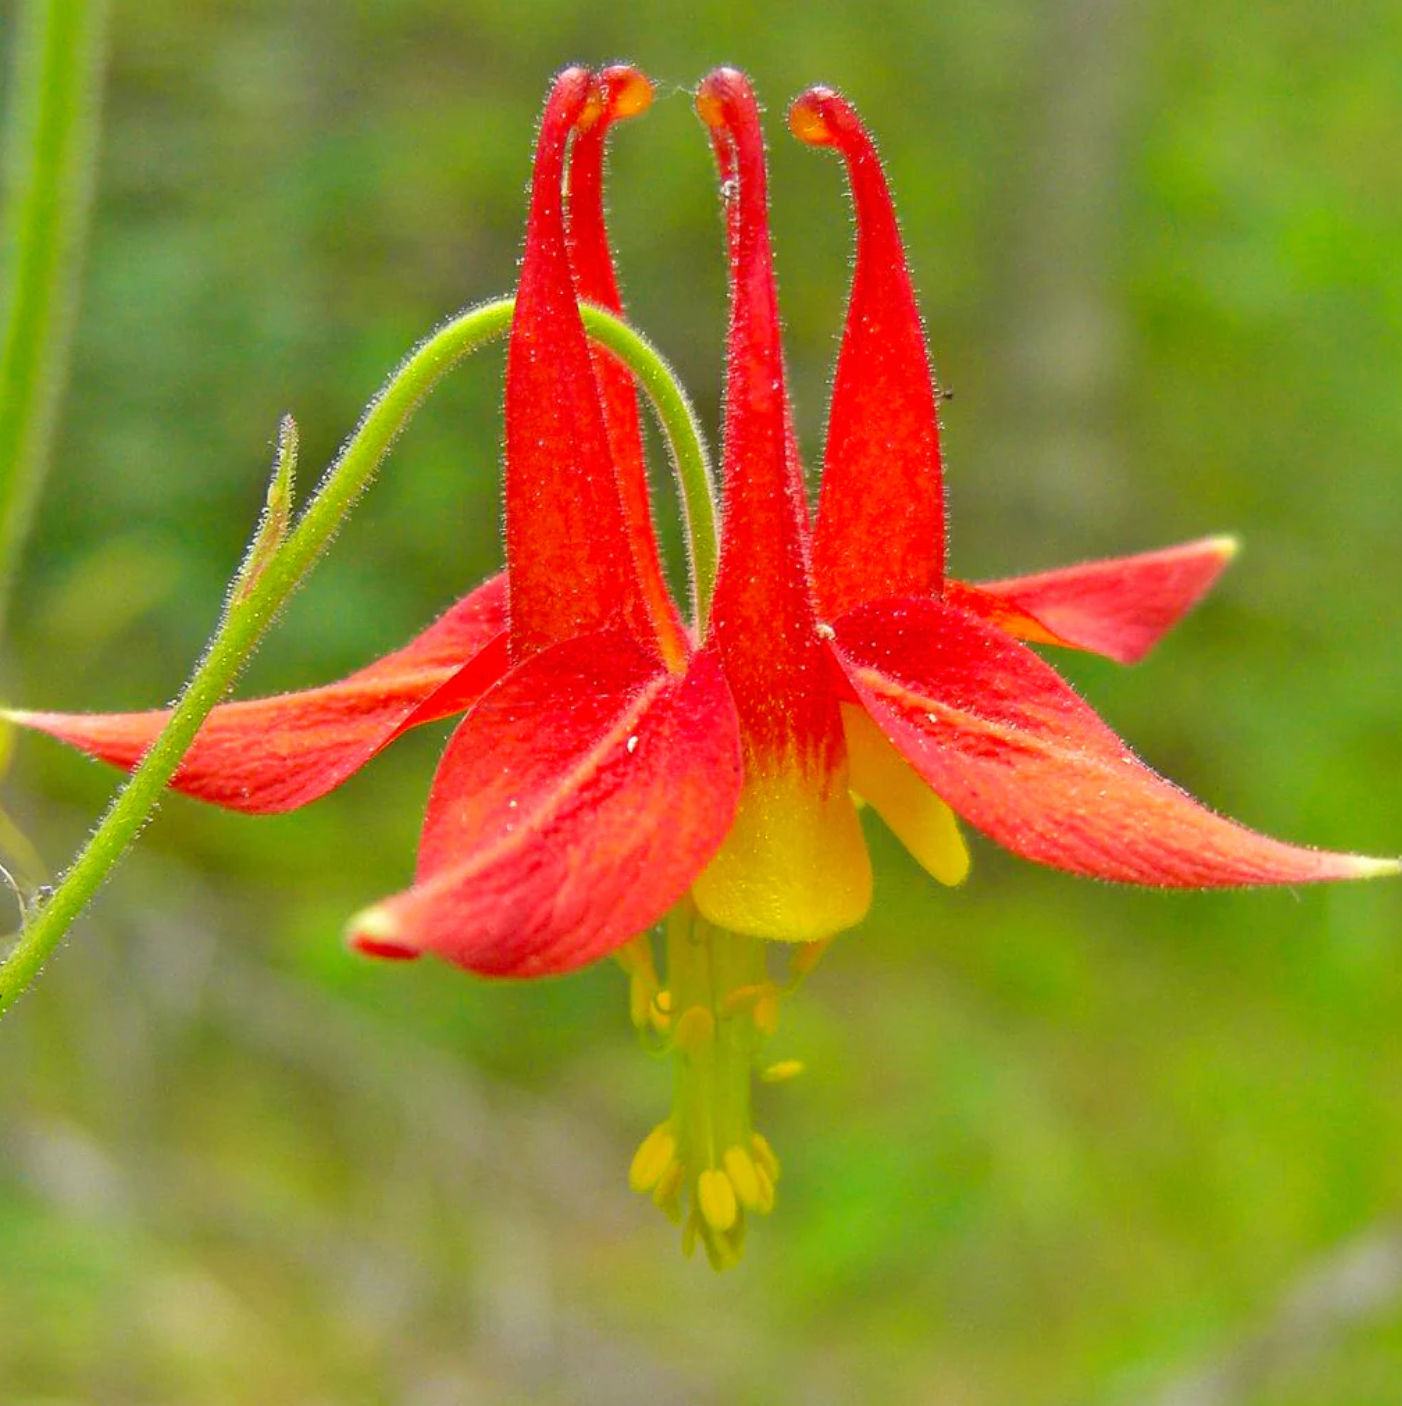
x=897, y=793
x=794, y=866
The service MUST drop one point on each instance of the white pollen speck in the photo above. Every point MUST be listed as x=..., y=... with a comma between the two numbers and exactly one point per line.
x=632, y=744
x=511, y=805
x=825, y=631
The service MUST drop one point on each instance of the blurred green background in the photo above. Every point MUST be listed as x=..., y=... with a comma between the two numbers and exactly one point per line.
x=1058, y=1142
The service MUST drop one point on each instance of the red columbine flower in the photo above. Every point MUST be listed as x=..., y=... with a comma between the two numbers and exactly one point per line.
x=612, y=771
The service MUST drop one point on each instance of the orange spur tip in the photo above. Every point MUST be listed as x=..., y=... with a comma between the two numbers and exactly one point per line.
x=810, y=116
x=718, y=91
x=821, y=116
x=626, y=90
x=573, y=98
x=575, y=76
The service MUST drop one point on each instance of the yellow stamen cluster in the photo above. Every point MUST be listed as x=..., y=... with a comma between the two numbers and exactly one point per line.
x=705, y=1167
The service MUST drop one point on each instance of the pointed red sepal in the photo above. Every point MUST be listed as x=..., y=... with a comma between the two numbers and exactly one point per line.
x=1120, y=607
x=266, y=755
x=624, y=92
x=573, y=808
x=880, y=527
x=1007, y=744
x=567, y=545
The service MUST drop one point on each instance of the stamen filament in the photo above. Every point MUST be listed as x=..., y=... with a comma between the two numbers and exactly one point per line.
x=706, y=1167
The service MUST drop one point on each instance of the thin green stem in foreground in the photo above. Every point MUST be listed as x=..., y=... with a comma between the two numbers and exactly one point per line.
x=49, y=164
x=268, y=578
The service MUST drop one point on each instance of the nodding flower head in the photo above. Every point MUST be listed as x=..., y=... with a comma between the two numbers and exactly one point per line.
x=618, y=769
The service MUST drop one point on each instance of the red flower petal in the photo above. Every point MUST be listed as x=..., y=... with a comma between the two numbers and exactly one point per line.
x=574, y=806
x=274, y=754
x=625, y=93
x=567, y=545
x=880, y=528
x=1120, y=607
x=1007, y=744
x=763, y=621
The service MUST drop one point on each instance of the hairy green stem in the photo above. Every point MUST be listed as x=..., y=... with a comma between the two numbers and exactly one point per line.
x=49, y=167
x=269, y=576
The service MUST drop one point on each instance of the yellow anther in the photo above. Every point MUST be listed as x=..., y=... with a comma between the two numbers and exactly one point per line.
x=803, y=959
x=766, y=1190
x=715, y=1195
x=653, y=1158
x=696, y=1028
x=715, y=1003
x=744, y=1176
x=764, y=1155
x=666, y=1195
x=744, y=998
x=782, y=1071
x=766, y=1014
x=635, y=955
x=635, y=958
x=722, y=1251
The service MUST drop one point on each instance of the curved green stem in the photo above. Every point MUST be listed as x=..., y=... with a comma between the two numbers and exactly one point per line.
x=276, y=565
x=49, y=167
